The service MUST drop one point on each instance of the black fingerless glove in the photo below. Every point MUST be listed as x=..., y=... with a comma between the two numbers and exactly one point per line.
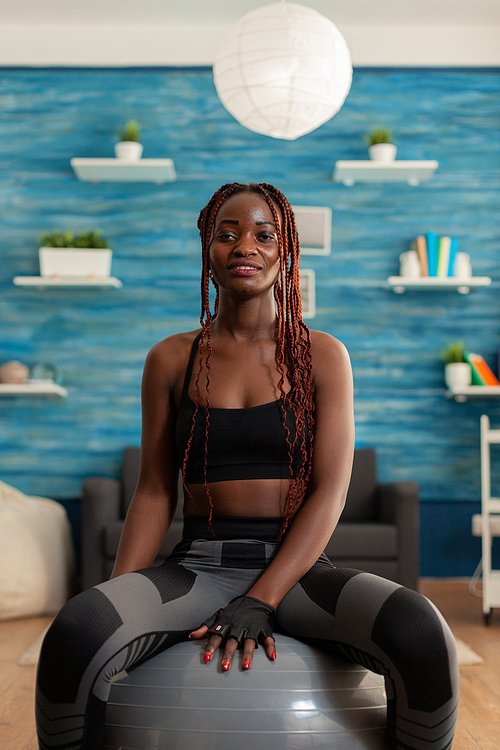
x=244, y=617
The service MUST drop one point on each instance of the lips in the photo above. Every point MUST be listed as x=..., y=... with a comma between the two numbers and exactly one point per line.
x=244, y=268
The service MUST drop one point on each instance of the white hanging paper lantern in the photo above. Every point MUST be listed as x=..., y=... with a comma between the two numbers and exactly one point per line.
x=283, y=70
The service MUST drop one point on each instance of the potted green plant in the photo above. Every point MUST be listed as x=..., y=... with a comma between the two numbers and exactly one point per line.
x=457, y=372
x=63, y=254
x=129, y=146
x=381, y=145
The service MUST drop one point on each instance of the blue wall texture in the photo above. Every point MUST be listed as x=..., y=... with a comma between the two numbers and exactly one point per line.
x=100, y=338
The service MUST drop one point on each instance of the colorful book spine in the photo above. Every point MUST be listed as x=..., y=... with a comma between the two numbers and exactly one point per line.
x=432, y=252
x=444, y=244
x=481, y=372
x=453, y=253
x=421, y=248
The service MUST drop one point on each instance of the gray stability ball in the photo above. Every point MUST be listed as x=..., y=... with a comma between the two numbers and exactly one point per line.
x=305, y=699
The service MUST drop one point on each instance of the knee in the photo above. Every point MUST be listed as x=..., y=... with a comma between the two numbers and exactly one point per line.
x=79, y=630
x=419, y=644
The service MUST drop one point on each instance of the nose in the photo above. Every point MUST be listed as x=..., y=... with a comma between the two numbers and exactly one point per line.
x=245, y=246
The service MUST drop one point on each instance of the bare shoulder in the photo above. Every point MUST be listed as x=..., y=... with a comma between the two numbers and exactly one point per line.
x=328, y=355
x=168, y=358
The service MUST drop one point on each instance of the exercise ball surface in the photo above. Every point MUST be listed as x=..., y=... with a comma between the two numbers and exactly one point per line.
x=307, y=699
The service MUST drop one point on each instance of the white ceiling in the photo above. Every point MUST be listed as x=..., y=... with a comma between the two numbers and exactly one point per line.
x=341, y=12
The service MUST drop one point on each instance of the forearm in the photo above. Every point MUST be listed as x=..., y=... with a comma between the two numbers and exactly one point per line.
x=304, y=542
x=145, y=528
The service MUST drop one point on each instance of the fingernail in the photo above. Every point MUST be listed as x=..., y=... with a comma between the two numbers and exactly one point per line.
x=225, y=665
x=190, y=635
x=273, y=655
x=207, y=657
x=246, y=663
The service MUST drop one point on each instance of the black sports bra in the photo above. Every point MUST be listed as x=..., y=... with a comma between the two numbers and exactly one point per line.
x=248, y=443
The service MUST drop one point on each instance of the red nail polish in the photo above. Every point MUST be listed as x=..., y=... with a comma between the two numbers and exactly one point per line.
x=225, y=665
x=207, y=657
x=191, y=634
x=246, y=663
x=273, y=655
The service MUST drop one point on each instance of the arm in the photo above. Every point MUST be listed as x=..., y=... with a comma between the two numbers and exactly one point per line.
x=316, y=520
x=318, y=516
x=155, y=499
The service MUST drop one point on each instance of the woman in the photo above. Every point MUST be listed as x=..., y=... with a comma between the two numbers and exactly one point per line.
x=257, y=412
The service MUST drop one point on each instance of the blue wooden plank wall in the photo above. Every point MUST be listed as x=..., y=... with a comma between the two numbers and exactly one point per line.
x=100, y=339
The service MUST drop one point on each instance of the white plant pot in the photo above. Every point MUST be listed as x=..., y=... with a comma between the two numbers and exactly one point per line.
x=75, y=261
x=382, y=152
x=457, y=375
x=128, y=150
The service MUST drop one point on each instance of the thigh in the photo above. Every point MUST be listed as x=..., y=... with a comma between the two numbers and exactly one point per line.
x=391, y=630
x=105, y=630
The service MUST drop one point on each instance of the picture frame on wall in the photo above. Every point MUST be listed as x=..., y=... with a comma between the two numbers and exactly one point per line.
x=314, y=225
x=308, y=292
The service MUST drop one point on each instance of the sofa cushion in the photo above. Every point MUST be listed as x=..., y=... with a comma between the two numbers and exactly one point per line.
x=363, y=541
x=112, y=532
x=361, y=503
x=130, y=475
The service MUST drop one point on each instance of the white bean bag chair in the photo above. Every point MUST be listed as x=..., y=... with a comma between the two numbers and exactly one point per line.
x=36, y=555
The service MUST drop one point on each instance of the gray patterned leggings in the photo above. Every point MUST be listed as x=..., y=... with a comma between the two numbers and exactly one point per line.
x=383, y=626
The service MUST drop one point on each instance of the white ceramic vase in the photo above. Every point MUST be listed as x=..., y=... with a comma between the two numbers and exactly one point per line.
x=457, y=375
x=128, y=150
x=409, y=266
x=382, y=152
x=462, y=268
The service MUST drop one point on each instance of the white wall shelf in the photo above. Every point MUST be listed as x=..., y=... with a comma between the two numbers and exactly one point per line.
x=33, y=388
x=44, y=282
x=412, y=172
x=400, y=284
x=473, y=391
x=121, y=170
x=308, y=292
x=314, y=225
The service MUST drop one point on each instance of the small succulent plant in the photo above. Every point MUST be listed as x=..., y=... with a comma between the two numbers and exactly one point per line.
x=380, y=135
x=131, y=132
x=453, y=352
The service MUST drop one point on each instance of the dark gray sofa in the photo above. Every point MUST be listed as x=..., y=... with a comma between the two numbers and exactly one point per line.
x=378, y=531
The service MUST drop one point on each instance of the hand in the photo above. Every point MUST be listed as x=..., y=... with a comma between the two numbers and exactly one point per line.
x=245, y=620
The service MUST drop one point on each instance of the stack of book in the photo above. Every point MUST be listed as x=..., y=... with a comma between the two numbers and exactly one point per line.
x=436, y=254
x=481, y=372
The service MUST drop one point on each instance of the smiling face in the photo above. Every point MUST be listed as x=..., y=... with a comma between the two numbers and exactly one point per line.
x=244, y=252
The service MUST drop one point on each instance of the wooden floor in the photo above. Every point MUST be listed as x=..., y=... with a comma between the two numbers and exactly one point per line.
x=479, y=715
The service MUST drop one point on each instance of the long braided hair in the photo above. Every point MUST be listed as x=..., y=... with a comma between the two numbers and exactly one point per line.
x=293, y=342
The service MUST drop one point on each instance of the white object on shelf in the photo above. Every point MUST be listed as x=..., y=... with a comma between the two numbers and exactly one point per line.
x=75, y=261
x=400, y=283
x=308, y=292
x=490, y=509
x=122, y=170
x=130, y=150
x=314, y=225
x=383, y=152
x=457, y=375
x=64, y=281
x=33, y=388
x=462, y=393
x=412, y=172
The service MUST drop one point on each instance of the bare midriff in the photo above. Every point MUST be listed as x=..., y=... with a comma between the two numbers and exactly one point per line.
x=243, y=498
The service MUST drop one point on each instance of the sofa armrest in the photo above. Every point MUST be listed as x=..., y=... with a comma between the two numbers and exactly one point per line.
x=100, y=505
x=399, y=504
